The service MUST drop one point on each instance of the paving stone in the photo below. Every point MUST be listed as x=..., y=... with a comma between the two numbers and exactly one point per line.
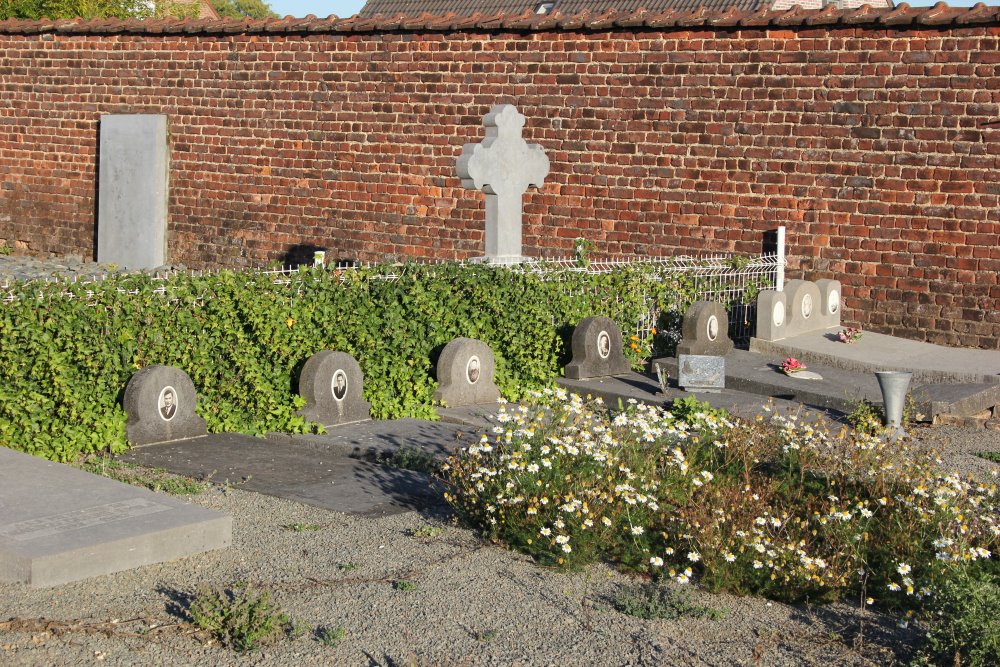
x=59, y=524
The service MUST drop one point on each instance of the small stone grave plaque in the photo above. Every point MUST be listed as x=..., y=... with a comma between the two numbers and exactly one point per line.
x=333, y=386
x=597, y=350
x=160, y=402
x=465, y=374
x=701, y=373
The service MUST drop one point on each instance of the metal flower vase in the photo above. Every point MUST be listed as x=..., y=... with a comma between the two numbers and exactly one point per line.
x=894, y=385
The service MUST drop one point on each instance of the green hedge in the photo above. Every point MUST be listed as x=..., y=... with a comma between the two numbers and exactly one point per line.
x=68, y=350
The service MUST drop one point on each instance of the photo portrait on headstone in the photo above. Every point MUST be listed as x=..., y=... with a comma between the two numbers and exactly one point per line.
x=472, y=370
x=603, y=344
x=168, y=403
x=339, y=385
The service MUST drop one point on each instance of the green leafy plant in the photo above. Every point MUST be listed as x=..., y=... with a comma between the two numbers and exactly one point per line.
x=693, y=411
x=300, y=527
x=989, y=456
x=426, y=531
x=243, y=337
x=348, y=567
x=240, y=618
x=651, y=601
x=961, y=618
x=868, y=417
x=411, y=458
x=406, y=586
x=5, y=249
x=331, y=637
x=155, y=479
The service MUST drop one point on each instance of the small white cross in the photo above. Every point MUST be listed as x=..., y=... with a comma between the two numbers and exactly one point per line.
x=503, y=166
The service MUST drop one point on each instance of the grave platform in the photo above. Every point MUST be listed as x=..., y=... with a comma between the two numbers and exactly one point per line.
x=646, y=388
x=59, y=524
x=929, y=363
x=335, y=471
x=841, y=389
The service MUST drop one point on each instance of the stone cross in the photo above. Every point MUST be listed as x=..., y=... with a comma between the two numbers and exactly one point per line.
x=503, y=166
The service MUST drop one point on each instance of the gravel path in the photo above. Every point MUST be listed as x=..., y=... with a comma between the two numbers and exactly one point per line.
x=474, y=603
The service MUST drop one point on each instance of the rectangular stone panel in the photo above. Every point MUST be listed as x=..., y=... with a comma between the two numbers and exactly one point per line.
x=132, y=191
x=59, y=524
x=698, y=372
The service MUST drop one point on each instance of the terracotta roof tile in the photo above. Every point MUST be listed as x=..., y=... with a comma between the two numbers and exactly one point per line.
x=730, y=16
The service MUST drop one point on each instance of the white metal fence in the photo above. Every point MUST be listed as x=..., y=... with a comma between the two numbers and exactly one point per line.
x=726, y=279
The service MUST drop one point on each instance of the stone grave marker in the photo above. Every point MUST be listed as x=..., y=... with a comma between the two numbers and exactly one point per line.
x=132, y=191
x=333, y=386
x=503, y=166
x=701, y=363
x=160, y=403
x=802, y=307
x=597, y=350
x=59, y=524
x=465, y=374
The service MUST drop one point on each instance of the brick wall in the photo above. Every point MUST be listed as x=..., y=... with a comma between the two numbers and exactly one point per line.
x=877, y=142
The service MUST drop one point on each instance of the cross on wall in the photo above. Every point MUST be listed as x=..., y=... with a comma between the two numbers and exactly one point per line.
x=503, y=166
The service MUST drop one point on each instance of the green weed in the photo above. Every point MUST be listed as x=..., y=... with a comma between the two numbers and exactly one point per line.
x=406, y=586
x=650, y=601
x=426, y=531
x=331, y=637
x=411, y=458
x=240, y=618
x=300, y=527
x=155, y=479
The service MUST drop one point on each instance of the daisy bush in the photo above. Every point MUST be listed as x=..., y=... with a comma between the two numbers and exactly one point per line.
x=775, y=506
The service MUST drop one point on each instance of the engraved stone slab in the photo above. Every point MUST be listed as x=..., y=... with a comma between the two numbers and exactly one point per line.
x=132, y=202
x=465, y=373
x=705, y=330
x=160, y=402
x=597, y=350
x=701, y=373
x=503, y=166
x=333, y=386
x=59, y=524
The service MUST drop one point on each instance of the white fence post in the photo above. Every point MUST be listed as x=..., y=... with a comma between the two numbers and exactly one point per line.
x=780, y=278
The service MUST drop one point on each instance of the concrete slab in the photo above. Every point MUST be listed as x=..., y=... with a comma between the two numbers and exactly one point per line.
x=332, y=471
x=59, y=524
x=929, y=363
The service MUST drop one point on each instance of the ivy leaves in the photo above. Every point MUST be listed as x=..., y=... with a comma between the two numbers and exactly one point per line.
x=68, y=350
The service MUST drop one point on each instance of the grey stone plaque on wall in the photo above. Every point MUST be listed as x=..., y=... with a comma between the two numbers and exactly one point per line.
x=701, y=373
x=132, y=191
